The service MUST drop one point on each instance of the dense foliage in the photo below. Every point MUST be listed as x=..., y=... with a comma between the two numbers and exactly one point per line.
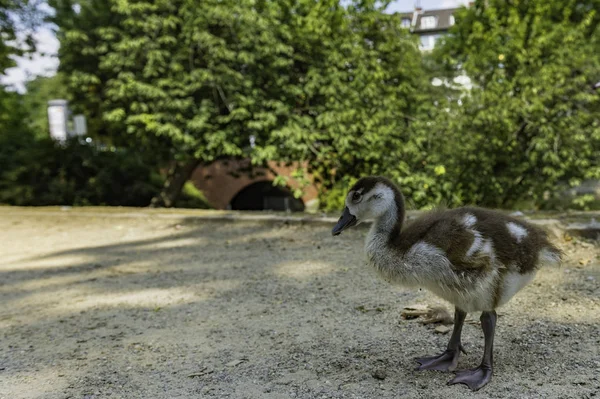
x=340, y=88
x=532, y=120
x=358, y=99
x=42, y=172
x=35, y=170
x=305, y=80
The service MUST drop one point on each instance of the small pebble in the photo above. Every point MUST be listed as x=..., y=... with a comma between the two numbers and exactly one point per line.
x=442, y=329
x=379, y=374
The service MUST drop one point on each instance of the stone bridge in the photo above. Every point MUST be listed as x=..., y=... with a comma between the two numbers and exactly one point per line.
x=226, y=186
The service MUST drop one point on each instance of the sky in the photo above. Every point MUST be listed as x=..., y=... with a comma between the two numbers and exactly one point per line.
x=45, y=61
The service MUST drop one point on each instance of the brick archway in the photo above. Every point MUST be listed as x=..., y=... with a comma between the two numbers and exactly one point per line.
x=221, y=181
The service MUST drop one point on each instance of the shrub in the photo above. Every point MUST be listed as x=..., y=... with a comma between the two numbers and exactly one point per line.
x=43, y=172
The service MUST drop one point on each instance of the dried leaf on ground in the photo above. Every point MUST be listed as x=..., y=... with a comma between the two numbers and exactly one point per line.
x=431, y=314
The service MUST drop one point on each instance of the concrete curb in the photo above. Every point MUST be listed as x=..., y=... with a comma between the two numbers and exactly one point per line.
x=213, y=216
x=585, y=224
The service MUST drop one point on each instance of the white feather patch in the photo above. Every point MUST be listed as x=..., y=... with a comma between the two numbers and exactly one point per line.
x=422, y=248
x=517, y=231
x=488, y=249
x=469, y=220
x=477, y=243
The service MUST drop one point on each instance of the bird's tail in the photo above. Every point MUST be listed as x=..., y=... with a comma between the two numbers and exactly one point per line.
x=550, y=256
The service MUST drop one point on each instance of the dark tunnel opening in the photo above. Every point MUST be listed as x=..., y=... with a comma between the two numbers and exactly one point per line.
x=262, y=196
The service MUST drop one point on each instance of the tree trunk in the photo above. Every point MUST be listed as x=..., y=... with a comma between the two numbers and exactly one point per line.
x=179, y=173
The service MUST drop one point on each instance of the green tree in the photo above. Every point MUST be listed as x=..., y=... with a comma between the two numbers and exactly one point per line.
x=175, y=76
x=86, y=30
x=309, y=81
x=358, y=103
x=532, y=120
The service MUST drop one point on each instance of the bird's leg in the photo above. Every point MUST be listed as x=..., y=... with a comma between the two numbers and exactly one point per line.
x=477, y=378
x=448, y=360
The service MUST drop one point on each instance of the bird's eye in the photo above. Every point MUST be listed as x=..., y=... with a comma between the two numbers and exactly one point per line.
x=356, y=197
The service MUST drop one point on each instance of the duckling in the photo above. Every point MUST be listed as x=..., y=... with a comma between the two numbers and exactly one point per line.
x=475, y=258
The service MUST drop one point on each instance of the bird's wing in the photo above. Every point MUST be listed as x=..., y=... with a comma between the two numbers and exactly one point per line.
x=464, y=247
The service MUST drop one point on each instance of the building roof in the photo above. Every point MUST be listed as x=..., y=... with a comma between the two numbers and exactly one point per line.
x=443, y=20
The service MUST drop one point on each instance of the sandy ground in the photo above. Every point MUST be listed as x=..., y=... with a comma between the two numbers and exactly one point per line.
x=97, y=307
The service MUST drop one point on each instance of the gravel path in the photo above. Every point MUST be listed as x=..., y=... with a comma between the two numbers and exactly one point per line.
x=144, y=307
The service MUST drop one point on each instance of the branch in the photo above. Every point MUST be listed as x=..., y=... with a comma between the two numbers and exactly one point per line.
x=223, y=98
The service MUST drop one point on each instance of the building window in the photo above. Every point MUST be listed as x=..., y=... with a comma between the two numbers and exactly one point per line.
x=452, y=21
x=428, y=22
x=405, y=23
x=427, y=42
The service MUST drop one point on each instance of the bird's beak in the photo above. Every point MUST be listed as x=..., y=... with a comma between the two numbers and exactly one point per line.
x=346, y=220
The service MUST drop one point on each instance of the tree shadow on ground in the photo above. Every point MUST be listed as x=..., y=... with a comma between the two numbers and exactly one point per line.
x=255, y=311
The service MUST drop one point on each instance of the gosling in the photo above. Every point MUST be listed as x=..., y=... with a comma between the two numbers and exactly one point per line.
x=477, y=259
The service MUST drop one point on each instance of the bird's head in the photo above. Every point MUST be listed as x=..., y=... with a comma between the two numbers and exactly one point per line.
x=370, y=198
